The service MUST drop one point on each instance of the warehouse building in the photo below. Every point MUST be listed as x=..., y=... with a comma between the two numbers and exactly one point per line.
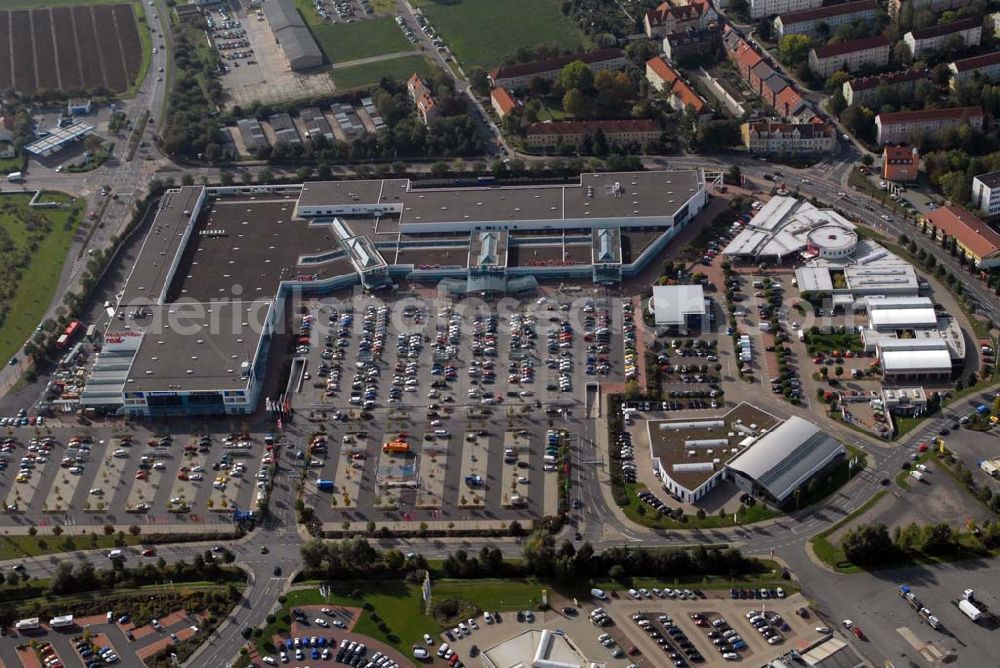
x=911, y=340
x=781, y=461
x=292, y=35
x=191, y=333
x=680, y=306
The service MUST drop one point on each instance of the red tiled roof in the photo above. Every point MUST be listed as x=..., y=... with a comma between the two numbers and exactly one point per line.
x=973, y=233
x=549, y=64
x=690, y=97
x=945, y=28
x=929, y=115
x=900, y=154
x=590, y=127
x=863, y=44
x=828, y=11
x=975, y=62
x=662, y=69
x=788, y=96
x=658, y=16
x=746, y=56
x=503, y=99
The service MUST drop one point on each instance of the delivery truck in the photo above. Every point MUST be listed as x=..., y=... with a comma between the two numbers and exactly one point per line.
x=15, y=177
x=970, y=610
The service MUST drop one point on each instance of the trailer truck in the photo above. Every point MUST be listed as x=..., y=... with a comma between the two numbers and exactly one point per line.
x=970, y=610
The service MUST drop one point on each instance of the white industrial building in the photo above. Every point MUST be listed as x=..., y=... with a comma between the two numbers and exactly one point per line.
x=783, y=460
x=787, y=228
x=679, y=306
x=912, y=342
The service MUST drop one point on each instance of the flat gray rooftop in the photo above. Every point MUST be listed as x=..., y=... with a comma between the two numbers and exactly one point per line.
x=606, y=195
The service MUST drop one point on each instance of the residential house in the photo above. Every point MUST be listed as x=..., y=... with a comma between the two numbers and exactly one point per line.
x=901, y=127
x=861, y=90
x=767, y=83
x=252, y=134
x=514, y=77
x=427, y=108
x=678, y=92
x=986, y=193
x=284, y=129
x=936, y=6
x=900, y=164
x=809, y=21
x=7, y=149
x=851, y=56
x=768, y=137
x=571, y=133
x=762, y=8
x=692, y=43
x=7, y=128
x=316, y=124
x=979, y=241
x=986, y=66
x=970, y=31
x=782, y=96
x=666, y=18
x=791, y=106
x=503, y=102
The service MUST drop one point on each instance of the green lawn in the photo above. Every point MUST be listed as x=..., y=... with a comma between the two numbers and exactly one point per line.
x=363, y=38
x=648, y=517
x=829, y=342
x=15, y=547
x=14, y=164
x=361, y=76
x=38, y=280
x=484, y=32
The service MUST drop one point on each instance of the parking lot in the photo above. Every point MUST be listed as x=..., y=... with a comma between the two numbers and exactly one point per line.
x=466, y=395
x=263, y=73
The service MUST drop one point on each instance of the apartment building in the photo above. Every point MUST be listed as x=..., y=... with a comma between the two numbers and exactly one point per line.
x=901, y=127
x=936, y=6
x=669, y=18
x=987, y=66
x=768, y=137
x=514, y=77
x=762, y=8
x=808, y=21
x=979, y=241
x=861, y=90
x=850, y=56
x=427, y=108
x=986, y=193
x=900, y=164
x=692, y=43
x=571, y=133
x=930, y=39
x=679, y=93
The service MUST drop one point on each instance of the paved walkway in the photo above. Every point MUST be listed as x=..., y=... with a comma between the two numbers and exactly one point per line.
x=374, y=59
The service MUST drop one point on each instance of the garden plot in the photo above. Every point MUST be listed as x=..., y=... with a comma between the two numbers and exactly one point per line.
x=347, y=480
x=184, y=490
x=516, y=464
x=433, y=466
x=475, y=455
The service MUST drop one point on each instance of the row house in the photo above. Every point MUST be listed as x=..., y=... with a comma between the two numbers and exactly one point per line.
x=850, y=56
x=427, y=108
x=678, y=92
x=936, y=6
x=761, y=8
x=900, y=164
x=692, y=43
x=987, y=66
x=514, y=77
x=861, y=90
x=571, y=133
x=767, y=137
x=930, y=39
x=808, y=21
x=761, y=77
x=667, y=18
x=901, y=127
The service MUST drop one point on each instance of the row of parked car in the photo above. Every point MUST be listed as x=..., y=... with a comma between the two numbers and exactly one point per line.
x=627, y=455
x=92, y=655
x=678, y=647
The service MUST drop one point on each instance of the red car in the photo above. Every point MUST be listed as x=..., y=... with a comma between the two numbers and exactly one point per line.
x=149, y=552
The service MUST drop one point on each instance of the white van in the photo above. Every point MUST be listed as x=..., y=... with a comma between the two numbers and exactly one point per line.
x=115, y=554
x=599, y=594
x=443, y=649
x=441, y=433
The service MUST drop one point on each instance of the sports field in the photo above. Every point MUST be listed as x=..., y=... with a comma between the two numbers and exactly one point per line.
x=31, y=276
x=360, y=76
x=341, y=42
x=483, y=32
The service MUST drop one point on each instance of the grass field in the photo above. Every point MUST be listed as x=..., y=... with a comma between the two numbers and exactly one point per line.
x=483, y=32
x=360, y=76
x=341, y=42
x=38, y=281
x=16, y=547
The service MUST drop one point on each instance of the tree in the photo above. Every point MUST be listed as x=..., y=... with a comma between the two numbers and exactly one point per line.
x=539, y=552
x=836, y=81
x=576, y=75
x=574, y=103
x=901, y=54
x=613, y=88
x=734, y=175
x=794, y=48
x=937, y=538
x=867, y=544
